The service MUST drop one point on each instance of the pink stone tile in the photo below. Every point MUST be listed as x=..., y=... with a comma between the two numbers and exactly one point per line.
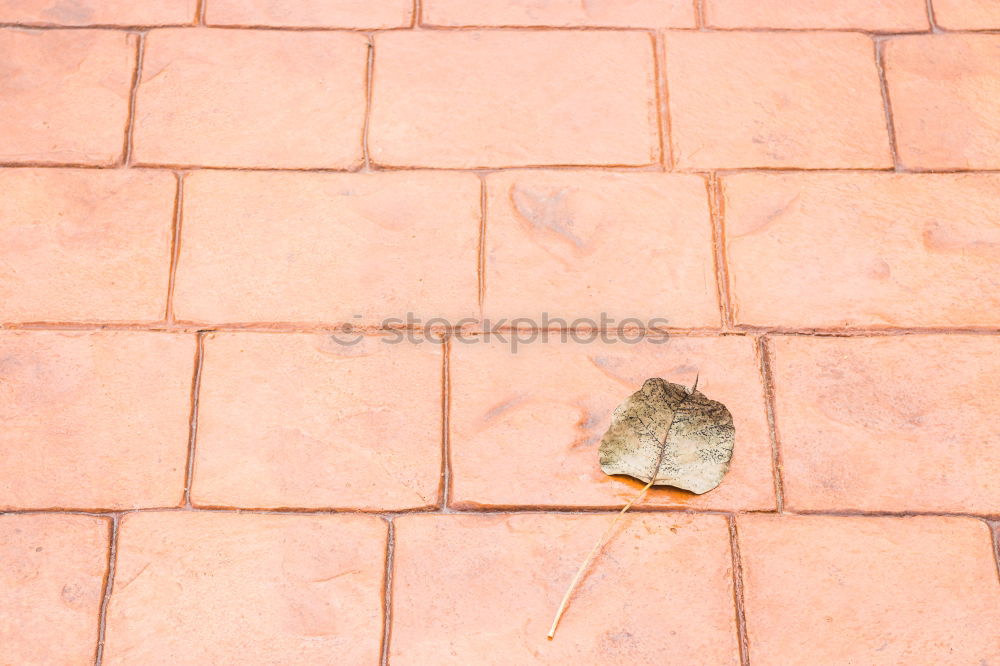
x=251, y=98
x=327, y=247
x=98, y=12
x=755, y=99
x=94, y=420
x=359, y=14
x=881, y=16
x=967, y=14
x=531, y=439
x=481, y=98
x=85, y=244
x=303, y=421
x=225, y=588
x=945, y=95
x=576, y=244
x=868, y=590
x=52, y=571
x=64, y=95
x=900, y=423
x=842, y=250
x=561, y=13
x=484, y=589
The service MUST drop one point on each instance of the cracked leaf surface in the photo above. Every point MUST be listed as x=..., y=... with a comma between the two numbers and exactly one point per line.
x=680, y=435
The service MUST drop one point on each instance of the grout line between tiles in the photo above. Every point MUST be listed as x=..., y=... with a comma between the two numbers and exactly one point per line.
x=200, y=12
x=767, y=380
x=699, y=15
x=931, y=18
x=738, y=601
x=199, y=360
x=390, y=547
x=886, y=103
x=720, y=256
x=995, y=533
x=108, y=585
x=445, y=424
x=481, y=248
x=369, y=79
x=140, y=49
x=175, y=246
x=663, y=102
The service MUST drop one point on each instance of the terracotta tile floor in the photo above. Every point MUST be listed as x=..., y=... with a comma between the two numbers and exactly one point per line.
x=292, y=364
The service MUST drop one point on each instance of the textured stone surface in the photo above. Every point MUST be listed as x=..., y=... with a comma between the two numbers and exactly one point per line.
x=94, y=420
x=84, y=244
x=561, y=13
x=576, y=244
x=869, y=590
x=64, y=95
x=326, y=247
x=967, y=14
x=202, y=588
x=311, y=13
x=945, y=94
x=805, y=100
x=98, y=12
x=302, y=421
x=864, y=249
x=876, y=425
x=880, y=16
x=662, y=586
x=51, y=584
x=298, y=101
x=594, y=101
x=532, y=438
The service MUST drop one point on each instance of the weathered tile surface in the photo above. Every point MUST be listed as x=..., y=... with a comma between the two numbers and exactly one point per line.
x=578, y=244
x=64, y=95
x=757, y=99
x=532, y=438
x=881, y=16
x=492, y=599
x=327, y=247
x=307, y=421
x=85, y=244
x=870, y=590
x=242, y=98
x=848, y=250
x=204, y=588
x=52, y=571
x=94, y=419
x=311, y=13
x=561, y=13
x=594, y=101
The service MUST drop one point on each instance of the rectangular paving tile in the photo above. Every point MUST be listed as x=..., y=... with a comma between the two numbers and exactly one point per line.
x=51, y=587
x=222, y=588
x=85, y=244
x=358, y=14
x=98, y=12
x=64, y=95
x=835, y=250
x=881, y=16
x=866, y=590
x=661, y=586
x=753, y=99
x=576, y=244
x=306, y=421
x=251, y=98
x=532, y=438
x=967, y=14
x=327, y=247
x=94, y=420
x=561, y=13
x=480, y=98
x=945, y=96
x=873, y=424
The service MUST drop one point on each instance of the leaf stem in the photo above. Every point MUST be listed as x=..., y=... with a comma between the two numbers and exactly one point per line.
x=590, y=557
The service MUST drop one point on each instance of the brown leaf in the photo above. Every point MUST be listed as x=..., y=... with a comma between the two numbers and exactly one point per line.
x=670, y=435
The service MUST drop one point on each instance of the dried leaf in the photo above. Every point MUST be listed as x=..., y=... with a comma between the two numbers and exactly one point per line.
x=671, y=436
x=665, y=435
